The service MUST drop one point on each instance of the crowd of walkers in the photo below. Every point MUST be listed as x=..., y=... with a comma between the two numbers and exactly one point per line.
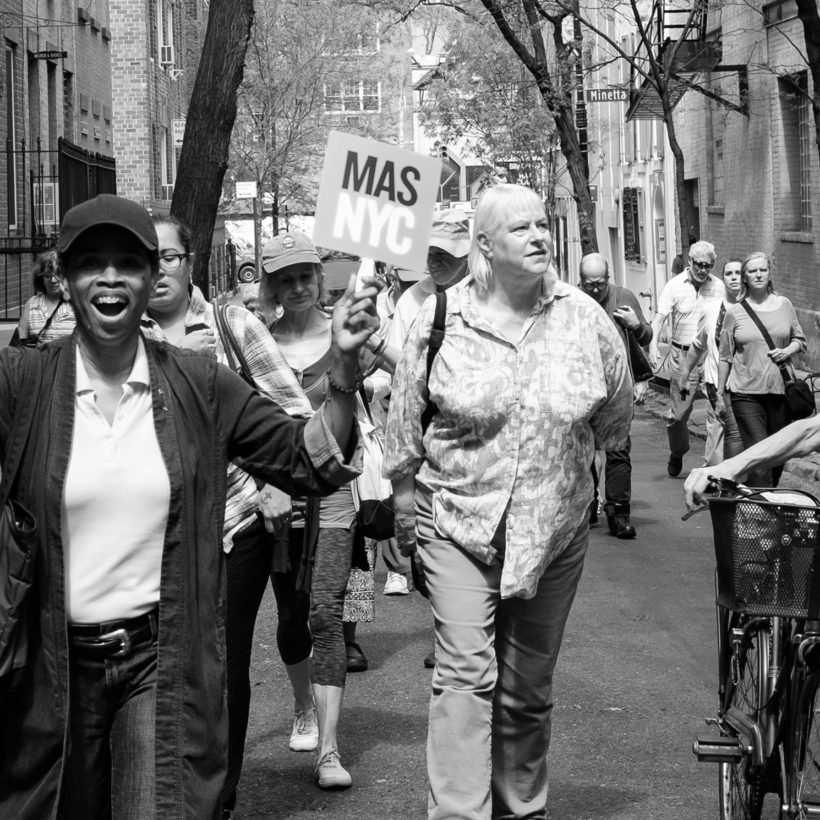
x=170, y=491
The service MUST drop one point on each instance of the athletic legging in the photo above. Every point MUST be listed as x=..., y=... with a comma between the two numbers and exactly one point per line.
x=330, y=573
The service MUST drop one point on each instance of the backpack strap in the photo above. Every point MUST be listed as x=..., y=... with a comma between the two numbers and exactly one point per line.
x=433, y=347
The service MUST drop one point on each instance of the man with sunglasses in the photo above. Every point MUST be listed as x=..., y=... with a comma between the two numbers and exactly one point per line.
x=682, y=302
x=622, y=306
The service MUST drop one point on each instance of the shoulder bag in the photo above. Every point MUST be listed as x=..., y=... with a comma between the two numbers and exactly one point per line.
x=798, y=392
x=32, y=340
x=233, y=350
x=18, y=536
x=372, y=494
x=642, y=370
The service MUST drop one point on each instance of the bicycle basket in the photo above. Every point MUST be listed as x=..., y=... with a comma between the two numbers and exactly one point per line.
x=767, y=556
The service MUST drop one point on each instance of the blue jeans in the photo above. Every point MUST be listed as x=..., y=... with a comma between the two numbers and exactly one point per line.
x=758, y=416
x=491, y=706
x=109, y=772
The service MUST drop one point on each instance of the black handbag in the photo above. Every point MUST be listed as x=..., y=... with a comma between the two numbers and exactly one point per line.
x=18, y=537
x=375, y=517
x=642, y=370
x=798, y=392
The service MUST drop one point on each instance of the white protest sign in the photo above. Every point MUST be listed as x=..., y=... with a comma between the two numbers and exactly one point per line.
x=376, y=201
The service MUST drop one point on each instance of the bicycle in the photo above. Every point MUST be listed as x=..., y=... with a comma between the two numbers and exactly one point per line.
x=768, y=618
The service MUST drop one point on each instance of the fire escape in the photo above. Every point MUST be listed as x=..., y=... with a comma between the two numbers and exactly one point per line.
x=682, y=49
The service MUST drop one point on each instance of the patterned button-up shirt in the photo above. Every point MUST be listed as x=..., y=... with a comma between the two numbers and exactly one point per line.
x=517, y=427
x=272, y=375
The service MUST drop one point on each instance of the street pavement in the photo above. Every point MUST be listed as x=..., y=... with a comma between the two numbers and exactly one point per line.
x=635, y=679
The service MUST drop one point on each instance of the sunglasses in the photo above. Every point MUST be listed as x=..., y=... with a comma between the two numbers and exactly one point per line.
x=702, y=265
x=594, y=287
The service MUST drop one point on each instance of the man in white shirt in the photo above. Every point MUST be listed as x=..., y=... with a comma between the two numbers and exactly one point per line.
x=726, y=441
x=682, y=301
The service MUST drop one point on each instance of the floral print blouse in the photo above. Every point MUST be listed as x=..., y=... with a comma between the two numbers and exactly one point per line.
x=517, y=424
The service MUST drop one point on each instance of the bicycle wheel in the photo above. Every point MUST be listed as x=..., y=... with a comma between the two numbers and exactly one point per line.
x=804, y=774
x=742, y=784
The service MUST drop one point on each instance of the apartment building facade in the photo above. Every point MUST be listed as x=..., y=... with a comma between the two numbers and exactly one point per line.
x=755, y=177
x=57, y=128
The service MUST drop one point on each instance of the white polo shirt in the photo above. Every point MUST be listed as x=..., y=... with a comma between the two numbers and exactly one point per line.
x=683, y=304
x=115, y=503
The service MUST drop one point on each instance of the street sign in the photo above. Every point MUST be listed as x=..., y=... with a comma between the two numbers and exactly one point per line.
x=178, y=130
x=376, y=200
x=246, y=190
x=610, y=94
x=50, y=55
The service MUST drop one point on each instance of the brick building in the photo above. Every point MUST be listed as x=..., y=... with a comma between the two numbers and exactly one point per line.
x=155, y=52
x=755, y=177
x=56, y=127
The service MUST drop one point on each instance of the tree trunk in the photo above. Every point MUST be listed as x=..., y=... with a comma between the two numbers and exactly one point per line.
x=680, y=186
x=810, y=16
x=211, y=114
x=577, y=167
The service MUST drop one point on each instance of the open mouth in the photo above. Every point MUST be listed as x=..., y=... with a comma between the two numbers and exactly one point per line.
x=109, y=305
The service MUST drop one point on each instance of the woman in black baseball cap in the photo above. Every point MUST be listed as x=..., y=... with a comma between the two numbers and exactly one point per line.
x=121, y=709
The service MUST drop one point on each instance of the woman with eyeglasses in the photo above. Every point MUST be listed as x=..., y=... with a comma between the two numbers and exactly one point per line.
x=178, y=313
x=749, y=370
x=47, y=315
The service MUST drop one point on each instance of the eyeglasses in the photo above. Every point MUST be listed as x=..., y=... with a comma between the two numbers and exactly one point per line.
x=702, y=265
x=594, y=287
x=171, y=261
x=55, y=277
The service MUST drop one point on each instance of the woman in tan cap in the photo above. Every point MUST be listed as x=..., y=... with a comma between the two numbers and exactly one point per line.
x=121, y=710
x=322, y=535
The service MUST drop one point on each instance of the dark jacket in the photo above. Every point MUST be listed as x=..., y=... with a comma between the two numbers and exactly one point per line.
x=204, y=415
x=618, y=296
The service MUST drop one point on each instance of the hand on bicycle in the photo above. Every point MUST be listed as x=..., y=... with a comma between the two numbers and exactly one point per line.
x=699, y=483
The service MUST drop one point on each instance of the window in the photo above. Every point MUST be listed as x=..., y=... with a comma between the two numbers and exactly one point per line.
x=632, y=224
x=68, y=105
x=360, y=42
x=371, y=99
x=717, y=172
x=795, y=185
x=805, y=144
x=716, y=135
x=353, y=96
x=11, y=119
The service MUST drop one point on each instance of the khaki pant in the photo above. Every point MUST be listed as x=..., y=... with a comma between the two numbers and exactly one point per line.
x=491, y=706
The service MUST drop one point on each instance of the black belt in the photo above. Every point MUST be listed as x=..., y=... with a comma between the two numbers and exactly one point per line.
x=680, y=347
x=113, y=639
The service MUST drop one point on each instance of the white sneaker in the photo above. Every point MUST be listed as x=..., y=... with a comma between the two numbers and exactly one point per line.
x=304, y=737
x=330, y=774
x=396, y=584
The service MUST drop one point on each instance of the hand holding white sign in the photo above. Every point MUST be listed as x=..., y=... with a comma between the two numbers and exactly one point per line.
x=376, y=200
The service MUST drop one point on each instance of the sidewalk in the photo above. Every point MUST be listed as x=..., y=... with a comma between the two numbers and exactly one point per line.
x=805, y=470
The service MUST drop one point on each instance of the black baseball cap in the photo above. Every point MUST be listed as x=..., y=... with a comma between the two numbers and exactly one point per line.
x=107, y=209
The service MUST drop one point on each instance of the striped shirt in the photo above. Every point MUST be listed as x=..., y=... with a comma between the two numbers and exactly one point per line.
x=61, y=325
x=272, y=375
x=683, y=303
